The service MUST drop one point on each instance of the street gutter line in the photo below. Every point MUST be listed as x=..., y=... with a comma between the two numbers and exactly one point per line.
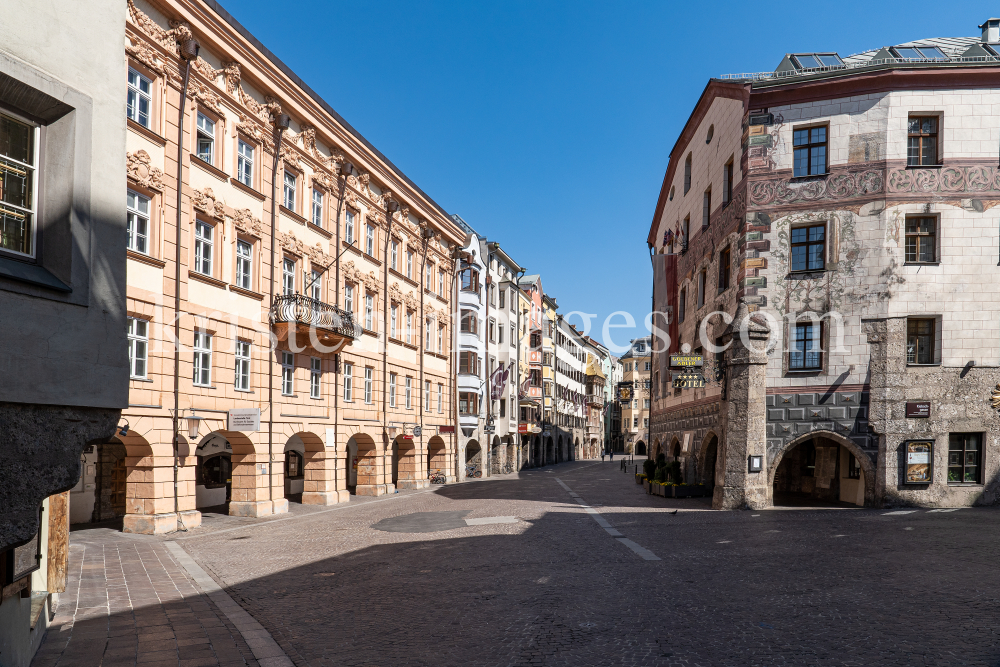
x=641, y=551
x=265, y=649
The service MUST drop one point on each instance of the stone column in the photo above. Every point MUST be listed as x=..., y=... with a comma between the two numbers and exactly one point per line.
x=250, y=495
x=371, y=472
x=887, y=373
x=321, y=485
x=744, y=419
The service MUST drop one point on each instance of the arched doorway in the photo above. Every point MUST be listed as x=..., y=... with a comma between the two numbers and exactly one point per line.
x=213, y=476
x=675, y=449
x=99, y=494
x=820, y=469
x=394, y=466
x=510, y=460
x=495, y=463
x=640, y=448
x=550, y=451
x=473, y=460
x=437, y=460
x=351, y=466
x=709, y=457
x=295, y=475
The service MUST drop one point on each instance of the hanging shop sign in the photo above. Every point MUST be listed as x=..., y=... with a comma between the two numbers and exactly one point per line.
x=489, y=428
x=918, y=409
x=244, y=419
x=686, y=360
x=523, y=428
x=689, y=380
x=446, y=429
x=918, y=462
x=625, y=392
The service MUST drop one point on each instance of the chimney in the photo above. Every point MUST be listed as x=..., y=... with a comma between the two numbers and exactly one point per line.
x=991, y=31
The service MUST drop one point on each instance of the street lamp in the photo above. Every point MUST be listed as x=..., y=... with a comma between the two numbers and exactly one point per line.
x=194, y=421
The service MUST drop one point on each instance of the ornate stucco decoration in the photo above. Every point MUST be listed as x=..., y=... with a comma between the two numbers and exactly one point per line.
x=204, y=95
x=202, y=66
x=145, y=54
x=949, y=180
x=142, y=172
x=351, y=199
x=233, y=74
x=410, y=301
x=179, y=30
x=395, y=295
x=249, y=127
x=291, y=156
x=372, y=283
x=317, y=256
x=377, y=217
x=246, y=223
x=995, y=398
x=323, y=181
x=208, y=204
x=292, y=244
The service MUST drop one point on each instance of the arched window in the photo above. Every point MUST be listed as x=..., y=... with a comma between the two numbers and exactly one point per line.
x=293, y=465
x=216, y=471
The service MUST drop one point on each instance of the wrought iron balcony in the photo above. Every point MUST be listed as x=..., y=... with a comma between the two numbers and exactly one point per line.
x=333, y=326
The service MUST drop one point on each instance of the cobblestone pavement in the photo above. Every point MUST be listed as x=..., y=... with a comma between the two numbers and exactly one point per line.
x=595, y=572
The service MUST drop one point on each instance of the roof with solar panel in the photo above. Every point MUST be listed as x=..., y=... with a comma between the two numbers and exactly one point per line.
x=933, y=52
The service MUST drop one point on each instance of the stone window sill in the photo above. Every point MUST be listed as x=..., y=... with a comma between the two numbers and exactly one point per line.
x=210, y=168
x=259, y=196
x=921, y=263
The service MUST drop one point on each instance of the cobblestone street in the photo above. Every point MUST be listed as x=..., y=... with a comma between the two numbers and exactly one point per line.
x=567, y=565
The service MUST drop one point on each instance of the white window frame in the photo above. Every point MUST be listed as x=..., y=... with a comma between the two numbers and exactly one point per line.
x=349, y=298
x=205, y=139
x=370, y=240
x=428, y=340
x=241, y=378
x=204, y=247
x=315, y=377
x=394, y=321
x=349, y=227
x=348, y=382
x=440, y=397
x=25, y=214
x=316, y=284
x=288, y=275
x=392, y=390
x=427, y=395
x=441, y=339
x=137, y=224
x=287, y=374
x=408, y=393
x=138, y=93
x=202, y=359
x=440, y=283
x=409, y=264
x=317, y=207
x=369, y=311
x=369, y=373
x=138, y=348
x=289, y=183
x=393, y=255
x=244, y=264
x=409, y=327
x=244, y=162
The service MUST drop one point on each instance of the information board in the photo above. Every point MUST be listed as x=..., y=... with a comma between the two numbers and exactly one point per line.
x=918, y=462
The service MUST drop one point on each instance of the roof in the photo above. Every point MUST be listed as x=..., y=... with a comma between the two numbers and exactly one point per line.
x=528, y=279
x=466, y=227
x=647, y=340
x=593, y=367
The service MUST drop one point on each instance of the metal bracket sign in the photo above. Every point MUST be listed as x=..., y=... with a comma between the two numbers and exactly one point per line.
x=686, y=360
x=417, y=431
x=689, y=380
x=489, y=428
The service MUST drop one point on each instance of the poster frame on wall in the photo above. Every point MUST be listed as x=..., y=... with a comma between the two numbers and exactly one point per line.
x=913, y=462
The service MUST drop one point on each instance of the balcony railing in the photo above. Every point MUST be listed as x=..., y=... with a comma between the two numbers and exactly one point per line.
x=331, y=324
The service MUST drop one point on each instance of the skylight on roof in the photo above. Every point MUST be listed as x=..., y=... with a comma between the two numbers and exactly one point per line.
x=921, y=53
x=816, y=60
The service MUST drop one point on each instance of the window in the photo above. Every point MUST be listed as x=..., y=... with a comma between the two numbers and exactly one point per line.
x=725, y=268
x=440, y=283
x=315, y=283
x=287, y=373
x=428, y=339
x=965, y=458
x=810, y=151
x=923, y=53
x=727, y=183
x=682, y=305
x=203, y=248
x=921, y=140
x=687, y=174
x=853, y=467
x=503, y=407
x=139, y=98
x=468, y=403
x=242, y=381
x=635, y=422
x=315, y=376
x=440, y=397
x=206, y=139
x=645, y=422
x=701, y=288
x=647, y=367
x=493, y=330
x=920, y=334
x=392, y=321
x=202, y=359
x=409, y=264
x=409, y=327
x=370, y=240
x=392, y=390
x=816, y=60
x=368, y=385
x=137, y=224
x=293, y=465
x=349, y=298
x=288, y=276
x=138, y=347
x=513, y=335
x=470, y=324
x=468, y=363
x=289, y=190
x=805, y=354
x=427, y=395
x=408, y=393
x=348, y=380
x=500, y=332
x=706, y=208
x=809, y=248
x=686, y=232
x=369, y=311
x=503, y=294
x=349, y=227
x=17, y=185
x=317, y=207
x=441, y=340
x=429, y=277
x=393, y=253
x=921, y=239
x=244, y=264
x=493, y=295
x=470, y=280
x=244, y=163
x=645, y=403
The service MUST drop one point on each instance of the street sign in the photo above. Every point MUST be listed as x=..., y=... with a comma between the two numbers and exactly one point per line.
x=522, y=428
x=686, y=360
x=489, y=428
x=918, y=409
x=689, y=380
x=243, y=419
x=417, y=431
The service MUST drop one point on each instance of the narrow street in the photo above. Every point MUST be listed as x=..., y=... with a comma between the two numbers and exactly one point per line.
x=517, y=571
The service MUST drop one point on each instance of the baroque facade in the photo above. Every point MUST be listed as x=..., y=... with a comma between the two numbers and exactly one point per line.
x=840, y=210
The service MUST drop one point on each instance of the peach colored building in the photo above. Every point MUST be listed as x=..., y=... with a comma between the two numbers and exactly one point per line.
x=354, y=284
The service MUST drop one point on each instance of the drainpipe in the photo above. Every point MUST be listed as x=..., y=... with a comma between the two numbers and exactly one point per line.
x=189, y=51
x=391, y=207
x=517, y=295
x=453, y=357
x=281, y=122
x=489, y=377
x=427, y=235
x=346, y=169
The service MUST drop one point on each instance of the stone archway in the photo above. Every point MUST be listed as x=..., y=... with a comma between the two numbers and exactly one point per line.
x=437, y=458
x=815, y=468
x=473, y=460
x=675, y=448
x=550, y=451
x=294, y=468
x=640, y=448
x=495, y=463
x=708, y=458
x=364, y=470
x=213, y=474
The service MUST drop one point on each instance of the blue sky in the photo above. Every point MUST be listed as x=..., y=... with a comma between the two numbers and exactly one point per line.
x=548, y=125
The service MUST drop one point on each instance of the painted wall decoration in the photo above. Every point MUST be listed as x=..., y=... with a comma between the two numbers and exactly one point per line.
x=842, y=184
x=946, y=180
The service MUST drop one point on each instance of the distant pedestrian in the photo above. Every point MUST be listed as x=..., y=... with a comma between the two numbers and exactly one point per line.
x=612, y=455
x=602, y=456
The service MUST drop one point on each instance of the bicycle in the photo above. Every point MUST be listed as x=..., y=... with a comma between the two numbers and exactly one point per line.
x=436, y=477
x=473, y=471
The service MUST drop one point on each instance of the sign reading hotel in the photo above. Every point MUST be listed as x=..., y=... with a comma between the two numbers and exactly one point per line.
x=918, y=462
x=244, y=419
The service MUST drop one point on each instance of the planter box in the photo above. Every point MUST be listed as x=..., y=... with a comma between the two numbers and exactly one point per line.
x=685, y=491
x=645, y=485
x=638, y=480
